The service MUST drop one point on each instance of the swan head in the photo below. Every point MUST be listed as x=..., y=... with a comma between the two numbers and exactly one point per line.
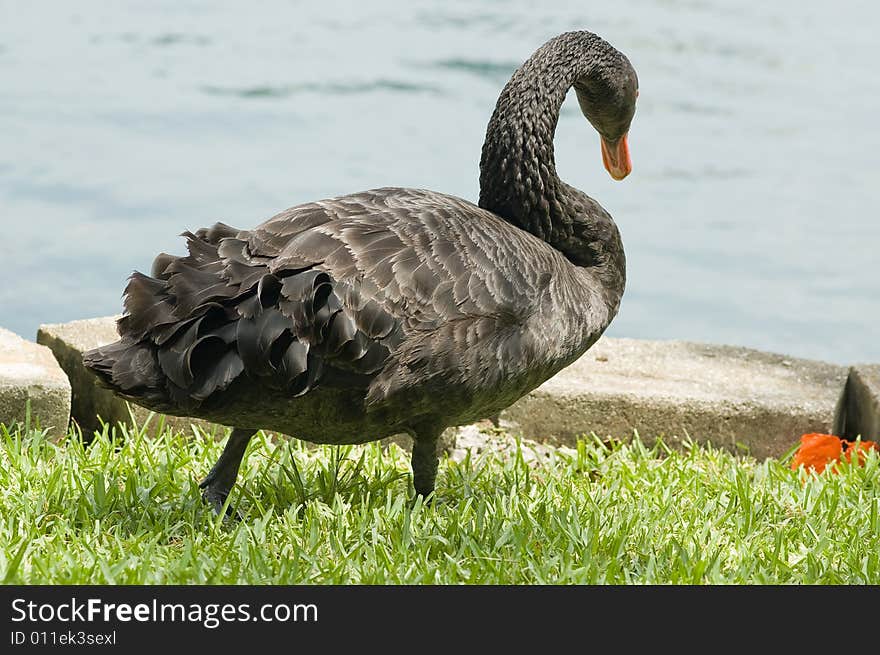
x=607, y=96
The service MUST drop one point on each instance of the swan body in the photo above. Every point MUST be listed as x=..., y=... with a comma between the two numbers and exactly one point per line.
x=392, y=310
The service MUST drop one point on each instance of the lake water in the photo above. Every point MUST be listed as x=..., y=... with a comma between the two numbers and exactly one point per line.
x=751, y=216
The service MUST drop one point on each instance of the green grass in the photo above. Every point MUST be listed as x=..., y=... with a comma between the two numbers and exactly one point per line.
x=126, y=510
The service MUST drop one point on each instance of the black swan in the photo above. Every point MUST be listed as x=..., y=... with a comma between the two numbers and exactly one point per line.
x=392, y=310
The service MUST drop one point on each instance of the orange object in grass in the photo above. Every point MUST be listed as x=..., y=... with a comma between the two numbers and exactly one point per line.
x=817, y=451
x=863, y=448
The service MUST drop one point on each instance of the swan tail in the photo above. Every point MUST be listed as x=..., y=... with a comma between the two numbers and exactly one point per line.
x=131, y=370
x=200, y=322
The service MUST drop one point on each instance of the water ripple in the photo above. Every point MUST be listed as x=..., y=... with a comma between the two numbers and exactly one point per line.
x=690, y=107
x=710, y=172
x=162, y=40
x=492, y=70
x=329, y=88
x=174, y=38
x=498, y=21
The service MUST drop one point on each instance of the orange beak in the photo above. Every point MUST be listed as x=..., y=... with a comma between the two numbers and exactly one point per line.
x=616, y=157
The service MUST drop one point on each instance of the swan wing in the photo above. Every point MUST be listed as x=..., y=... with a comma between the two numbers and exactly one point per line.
x=380, y=289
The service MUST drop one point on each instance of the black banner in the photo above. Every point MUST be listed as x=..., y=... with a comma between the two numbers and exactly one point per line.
x=225, y=618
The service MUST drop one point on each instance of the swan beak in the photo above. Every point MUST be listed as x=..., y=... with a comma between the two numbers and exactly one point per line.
x=616, y=157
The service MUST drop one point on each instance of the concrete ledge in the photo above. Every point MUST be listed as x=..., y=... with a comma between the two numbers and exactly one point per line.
x=858, y=413
x=68, y=342
x=740, y=399
x=29, y=374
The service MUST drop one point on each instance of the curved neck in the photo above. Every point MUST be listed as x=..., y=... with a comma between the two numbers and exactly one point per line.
x=518, y=179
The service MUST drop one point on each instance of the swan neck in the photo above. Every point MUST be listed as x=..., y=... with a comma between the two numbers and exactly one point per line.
x=518, y=179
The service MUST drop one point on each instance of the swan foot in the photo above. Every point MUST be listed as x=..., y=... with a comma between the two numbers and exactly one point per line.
x=216, y=498
x=221, y=478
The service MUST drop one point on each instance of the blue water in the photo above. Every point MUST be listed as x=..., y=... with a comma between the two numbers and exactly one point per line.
x=750, y=218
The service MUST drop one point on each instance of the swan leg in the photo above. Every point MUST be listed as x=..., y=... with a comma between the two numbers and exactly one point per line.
x=424, y=462
x=219, y=481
